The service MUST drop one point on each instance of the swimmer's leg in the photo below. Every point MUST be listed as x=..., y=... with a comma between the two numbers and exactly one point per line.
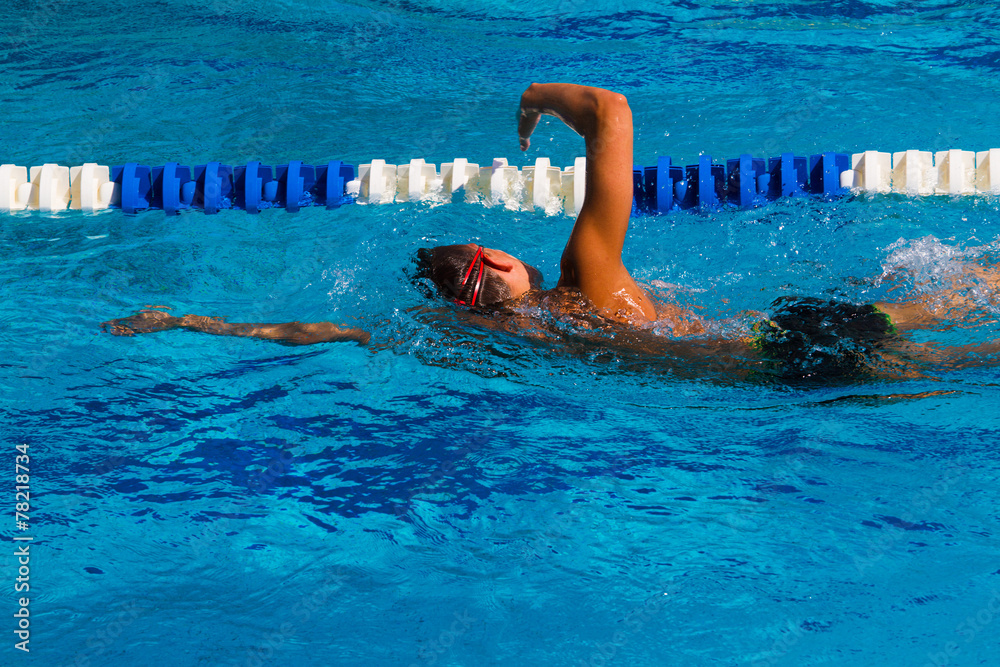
x=964, y=298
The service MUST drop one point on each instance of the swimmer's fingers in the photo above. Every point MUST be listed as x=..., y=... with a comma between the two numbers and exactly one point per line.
x=115, y=329
x=527, y=121
x=525, y=127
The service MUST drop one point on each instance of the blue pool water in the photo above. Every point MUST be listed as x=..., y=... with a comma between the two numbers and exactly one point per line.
x=454, y=496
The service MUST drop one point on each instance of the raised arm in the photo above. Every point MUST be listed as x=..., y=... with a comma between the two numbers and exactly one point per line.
x=592, y=259
x=287, y=333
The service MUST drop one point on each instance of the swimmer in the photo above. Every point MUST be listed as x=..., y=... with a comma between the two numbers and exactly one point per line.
x=802, y=336
x=596, y=290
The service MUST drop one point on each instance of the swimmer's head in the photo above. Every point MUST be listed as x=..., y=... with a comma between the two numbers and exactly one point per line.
x=475, y=276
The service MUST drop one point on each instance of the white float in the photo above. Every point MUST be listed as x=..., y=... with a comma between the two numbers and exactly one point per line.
x=455, y=175
x=415, y=180
x=49, y=188
x=14, y=187
x=872, y=171
x=499, y=182
x=913, y=172
x=988, y=171
x=90, y=187
x=956, y=172
x=542, y=182
x=378, y=182
x=574, y=186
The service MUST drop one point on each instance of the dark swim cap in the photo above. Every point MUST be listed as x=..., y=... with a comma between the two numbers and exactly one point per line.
x=813, y=337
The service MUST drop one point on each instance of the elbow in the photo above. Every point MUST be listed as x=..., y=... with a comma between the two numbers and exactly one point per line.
x=610, y=101
x=612, y=110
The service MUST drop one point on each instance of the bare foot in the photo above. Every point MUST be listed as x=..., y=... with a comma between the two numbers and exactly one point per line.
x=145, y=321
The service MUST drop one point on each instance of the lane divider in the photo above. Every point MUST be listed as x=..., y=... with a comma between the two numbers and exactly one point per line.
x=211, y=187
x=746, y=182
x=751, y=181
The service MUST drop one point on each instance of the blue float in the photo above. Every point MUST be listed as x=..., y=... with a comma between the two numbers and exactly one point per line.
x=680, y=193
x=331, y=181
x=213, y=186
x=249, y=186
x=746, y=175
x=789, y=176
x=824, y=173
x=658, y=186
x=666, y=178
x=172, y=188
x=705, y=184
x=648, y=200
x=133, y=187
x=295, y=180
x=687, y=189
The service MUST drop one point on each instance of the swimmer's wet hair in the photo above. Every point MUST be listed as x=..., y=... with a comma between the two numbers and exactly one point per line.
x=823, y=338
x=447, y=265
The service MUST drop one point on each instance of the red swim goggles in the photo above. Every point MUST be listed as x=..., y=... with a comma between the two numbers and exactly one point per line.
x=476, y=259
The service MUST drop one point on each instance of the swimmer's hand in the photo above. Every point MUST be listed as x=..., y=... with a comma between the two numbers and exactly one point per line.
x=578, y=106
x=527, y=121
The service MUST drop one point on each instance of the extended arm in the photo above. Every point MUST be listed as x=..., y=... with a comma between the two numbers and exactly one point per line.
x=288, y=333
x=592, y=259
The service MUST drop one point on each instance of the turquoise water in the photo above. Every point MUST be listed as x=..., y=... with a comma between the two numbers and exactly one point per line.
x=453, y=496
